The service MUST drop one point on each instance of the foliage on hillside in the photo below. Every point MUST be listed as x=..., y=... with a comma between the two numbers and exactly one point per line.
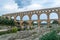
x=50, y=36
x=5, y=21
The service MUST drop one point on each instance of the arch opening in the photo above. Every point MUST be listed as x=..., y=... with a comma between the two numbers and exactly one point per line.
x=25, y=24
x=25, y=18
x=18, y=18
x=43, y=16
x=43, y=24
x=34, y=24
x=54, y=23
x=53, y=16
x=12, y=17
x=34, y=17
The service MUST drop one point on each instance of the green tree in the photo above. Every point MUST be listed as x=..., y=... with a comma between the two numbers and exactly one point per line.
x=50, y=36
x=11, y=22
x=4, y=21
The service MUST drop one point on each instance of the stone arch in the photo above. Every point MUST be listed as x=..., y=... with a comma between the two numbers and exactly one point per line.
x=51, y=21
x=25, y=24
x=43, y=23
x=53, y=15
x=34, y=17
x=18, y=18
x=43, y=16
x=25, y=18
x=34, y=24
x=54, y=24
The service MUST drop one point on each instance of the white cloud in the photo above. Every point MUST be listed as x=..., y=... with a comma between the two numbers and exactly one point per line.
x=36, y=4
x=39, y=1
x=10, y=7
x=34, y=7
x=30, y=7
x=56, y=3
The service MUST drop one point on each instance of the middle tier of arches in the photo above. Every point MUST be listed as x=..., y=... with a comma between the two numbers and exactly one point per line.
x=42, y=16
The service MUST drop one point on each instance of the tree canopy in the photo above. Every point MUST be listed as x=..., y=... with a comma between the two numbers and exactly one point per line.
x=5, y=21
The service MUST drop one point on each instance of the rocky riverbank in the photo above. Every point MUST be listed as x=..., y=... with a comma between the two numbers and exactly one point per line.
x=25, y=35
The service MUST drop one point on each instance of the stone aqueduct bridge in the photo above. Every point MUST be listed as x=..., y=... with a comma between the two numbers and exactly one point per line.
x=37, y=12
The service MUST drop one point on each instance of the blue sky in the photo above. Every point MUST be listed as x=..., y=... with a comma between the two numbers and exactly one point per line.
x=10, y=6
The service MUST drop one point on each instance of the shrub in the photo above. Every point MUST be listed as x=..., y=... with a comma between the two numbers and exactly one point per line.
x=19, y=29
x=14, y=29
x=50, y=26
x=49, y=36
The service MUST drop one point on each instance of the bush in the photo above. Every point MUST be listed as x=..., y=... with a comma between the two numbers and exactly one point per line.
x=50, y=36
x=19, y=29
x=14, y=29
x=50, y=26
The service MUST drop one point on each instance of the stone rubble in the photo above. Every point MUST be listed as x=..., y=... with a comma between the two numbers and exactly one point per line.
x=26, y=35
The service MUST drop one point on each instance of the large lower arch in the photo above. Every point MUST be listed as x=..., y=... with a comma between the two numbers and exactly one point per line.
x=34, y=24
x=25, y=25
x=25, y=18
x=53, y=16
x=43, y=16
x=51, y=21
x=18, y=18
x=44, y=23
x=54, y=23
x=34, y=17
